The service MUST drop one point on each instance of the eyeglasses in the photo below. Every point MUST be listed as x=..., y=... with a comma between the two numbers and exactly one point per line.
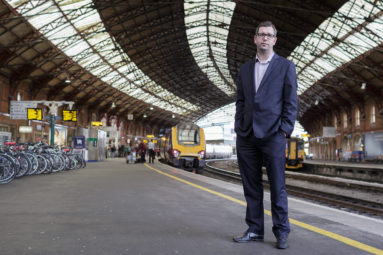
x=266, y=36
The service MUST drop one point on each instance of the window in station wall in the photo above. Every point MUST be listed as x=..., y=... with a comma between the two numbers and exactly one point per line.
x=357, y=117
x=19, y=96
x=372, y=119
x=344, y=120
x=335, y=123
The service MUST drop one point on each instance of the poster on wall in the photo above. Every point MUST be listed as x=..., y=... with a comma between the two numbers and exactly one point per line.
x=60, y=135
x=373, y=145
x=79, y=142
x=4, y=137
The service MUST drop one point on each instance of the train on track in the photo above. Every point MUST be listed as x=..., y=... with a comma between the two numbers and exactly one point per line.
x=218, y=151
x=294, y=153
x=184, y=147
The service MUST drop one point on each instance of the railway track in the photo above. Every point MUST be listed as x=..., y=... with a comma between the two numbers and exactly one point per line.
x=345, y=202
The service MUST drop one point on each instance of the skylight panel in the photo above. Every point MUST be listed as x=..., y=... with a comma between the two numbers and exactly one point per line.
x=99, y=70
x=89, y=60
x=361, y=42
x=220, y=14
x=38, y=21
x=195, y=17
x=83, y=23
x=63, y=30
x=340, y=54
x=201, y=39
x=327, y=66
x=86, y=20
x=76, y=48
x=219, y=30
x=358, y=41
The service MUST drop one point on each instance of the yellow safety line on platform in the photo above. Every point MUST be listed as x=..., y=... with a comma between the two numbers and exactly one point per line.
x=332, y=235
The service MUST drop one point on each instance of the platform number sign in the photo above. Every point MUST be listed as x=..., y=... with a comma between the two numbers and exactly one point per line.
x=69, y=115
x=34, y=113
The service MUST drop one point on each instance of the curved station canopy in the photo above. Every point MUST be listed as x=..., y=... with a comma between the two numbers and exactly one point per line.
x=171, y=61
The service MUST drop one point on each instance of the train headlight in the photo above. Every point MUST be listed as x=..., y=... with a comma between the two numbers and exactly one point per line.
x=176, y=153
x=202, y=154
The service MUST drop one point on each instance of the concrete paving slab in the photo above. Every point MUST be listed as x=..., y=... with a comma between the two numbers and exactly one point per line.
x=115, y=208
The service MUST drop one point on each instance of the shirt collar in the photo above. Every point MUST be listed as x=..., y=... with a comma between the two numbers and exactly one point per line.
x=267, y=61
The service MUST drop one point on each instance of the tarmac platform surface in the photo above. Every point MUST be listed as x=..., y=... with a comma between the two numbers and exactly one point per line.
x=112, y=208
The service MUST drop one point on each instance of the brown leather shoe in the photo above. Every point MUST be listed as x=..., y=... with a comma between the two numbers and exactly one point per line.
x=248, y=237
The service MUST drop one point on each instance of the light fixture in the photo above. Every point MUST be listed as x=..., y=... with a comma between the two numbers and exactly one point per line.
x=363, y=85
x=316, y=102
x=173, y=116
x=145, y=116
x=113, y=105
x=151, y=108
x=67, y=80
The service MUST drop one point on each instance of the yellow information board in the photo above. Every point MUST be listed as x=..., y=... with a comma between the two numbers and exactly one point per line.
x=96, y=123
x=69, y=115
x=34, y=113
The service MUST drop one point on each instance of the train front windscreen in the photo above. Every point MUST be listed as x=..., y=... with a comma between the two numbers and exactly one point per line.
x=188, y=134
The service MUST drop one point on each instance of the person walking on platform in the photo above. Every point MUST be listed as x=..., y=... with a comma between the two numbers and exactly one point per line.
x=112, y=151
x=266, y=110
x=142, y=151
x=151, y=151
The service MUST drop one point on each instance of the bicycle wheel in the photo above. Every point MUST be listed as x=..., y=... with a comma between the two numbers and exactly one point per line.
x=43, y=164
x=25, y=165
x=34, y=163
x=7, y=169
x=58, y=163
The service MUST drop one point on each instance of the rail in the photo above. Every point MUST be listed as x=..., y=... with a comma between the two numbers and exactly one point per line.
x=336, y=200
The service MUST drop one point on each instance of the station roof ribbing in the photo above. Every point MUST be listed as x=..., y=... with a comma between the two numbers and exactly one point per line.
x=180, y=59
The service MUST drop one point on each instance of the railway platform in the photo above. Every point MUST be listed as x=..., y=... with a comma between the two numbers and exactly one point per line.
x=112, y=207
x=344, y=163
x=372, y=172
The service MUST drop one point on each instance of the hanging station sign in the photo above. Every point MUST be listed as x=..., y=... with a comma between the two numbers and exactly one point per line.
x=96, y=123
x=18, y=109
x=34, y=113
x=69, y=115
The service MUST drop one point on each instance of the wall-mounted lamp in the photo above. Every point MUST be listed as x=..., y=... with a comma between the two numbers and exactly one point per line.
x=145, y=116
x=113, y=105
x=363, y=85
x=173, y=116
x=151, y=108
x=67, y=80
x=316, y=102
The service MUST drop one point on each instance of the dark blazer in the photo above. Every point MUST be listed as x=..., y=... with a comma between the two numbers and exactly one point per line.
x=274, y=107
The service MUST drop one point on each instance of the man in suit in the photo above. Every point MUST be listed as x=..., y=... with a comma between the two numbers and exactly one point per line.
x=266, y=109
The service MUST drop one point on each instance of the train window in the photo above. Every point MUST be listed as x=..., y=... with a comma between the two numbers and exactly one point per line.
x=300, y=145
x=188, y=134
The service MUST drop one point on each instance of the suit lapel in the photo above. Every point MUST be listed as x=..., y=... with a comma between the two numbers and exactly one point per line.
x=268, y=70
x=252, y=87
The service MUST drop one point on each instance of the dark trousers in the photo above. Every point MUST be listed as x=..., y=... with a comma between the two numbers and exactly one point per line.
x=142, y=157
x=151, y=156
x=252, y=152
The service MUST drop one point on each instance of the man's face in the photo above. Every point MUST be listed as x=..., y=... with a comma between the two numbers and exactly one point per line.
x=265, y=39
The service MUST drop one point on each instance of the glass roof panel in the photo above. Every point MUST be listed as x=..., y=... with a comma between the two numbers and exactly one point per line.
x=83, y=17
x=195, y=17
x=342, y=27
x=220, y=15
x=327, y=66
x=63, y=31
x=39, y=21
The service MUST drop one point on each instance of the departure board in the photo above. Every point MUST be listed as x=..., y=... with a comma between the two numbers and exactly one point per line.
x=34, y=113
x=69, y=115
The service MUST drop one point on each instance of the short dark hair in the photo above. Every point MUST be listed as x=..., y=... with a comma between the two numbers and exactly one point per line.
x=266, y=24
